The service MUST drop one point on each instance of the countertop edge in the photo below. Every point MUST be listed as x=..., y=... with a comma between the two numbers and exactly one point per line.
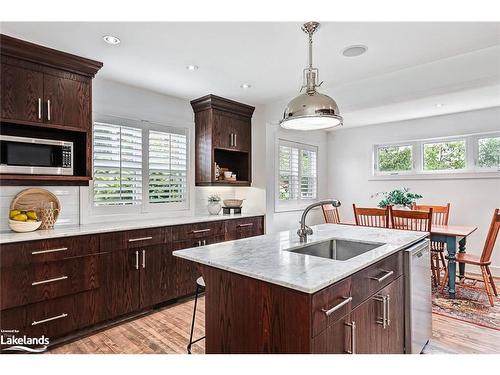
x=99, y=228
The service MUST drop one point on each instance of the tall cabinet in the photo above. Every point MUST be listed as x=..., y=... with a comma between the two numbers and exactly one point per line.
x=223, y=136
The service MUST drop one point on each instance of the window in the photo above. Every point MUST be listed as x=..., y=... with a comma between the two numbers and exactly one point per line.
x=143, y=166
x=297, y=173
x=488, y=152
x=395, y=158
x=117, y=165
x=443, y=156
x=469, y=155
x=167, y=167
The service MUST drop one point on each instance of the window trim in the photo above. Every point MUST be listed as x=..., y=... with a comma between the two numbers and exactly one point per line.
x=295, y=204
x=145, y=207
x=471, y=170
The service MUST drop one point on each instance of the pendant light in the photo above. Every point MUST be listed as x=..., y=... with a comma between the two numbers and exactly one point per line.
x=311, y=110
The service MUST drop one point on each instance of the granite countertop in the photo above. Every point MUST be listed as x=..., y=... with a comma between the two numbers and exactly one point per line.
x=264, y=257
x=78, y=230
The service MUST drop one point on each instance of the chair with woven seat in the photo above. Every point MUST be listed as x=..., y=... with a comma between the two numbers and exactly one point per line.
x=440, y=215
x=484, y=261
x=331, y=214
x=371, y=217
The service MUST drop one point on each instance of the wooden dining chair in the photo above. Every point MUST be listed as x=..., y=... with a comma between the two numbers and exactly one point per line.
x=484, y=260
x=331, y=214
x=371, y=217
x=440, y=215
x=411, y=219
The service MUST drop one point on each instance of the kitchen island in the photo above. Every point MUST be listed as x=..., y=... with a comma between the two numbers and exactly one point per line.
x=342, y=291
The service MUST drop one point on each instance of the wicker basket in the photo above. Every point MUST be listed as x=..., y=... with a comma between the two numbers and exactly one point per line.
x=233, y=202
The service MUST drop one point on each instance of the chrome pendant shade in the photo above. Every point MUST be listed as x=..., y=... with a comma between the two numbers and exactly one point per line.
x=311, y=110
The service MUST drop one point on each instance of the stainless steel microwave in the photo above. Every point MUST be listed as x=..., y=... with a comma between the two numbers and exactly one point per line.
x=23, y=155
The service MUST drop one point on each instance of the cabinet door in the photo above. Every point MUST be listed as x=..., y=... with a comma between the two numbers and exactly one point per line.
x=22, y=94
x=243, y=228
x=231, y=132
x=67, y=100
x=372, y=335
x=336, y=339
x=157, y=274
x=241, y=134
x=120, y=282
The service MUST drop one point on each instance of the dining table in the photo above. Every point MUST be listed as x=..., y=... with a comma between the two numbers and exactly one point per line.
x=449, y=235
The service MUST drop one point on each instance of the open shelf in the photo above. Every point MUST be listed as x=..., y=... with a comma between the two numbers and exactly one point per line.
x=37, y=180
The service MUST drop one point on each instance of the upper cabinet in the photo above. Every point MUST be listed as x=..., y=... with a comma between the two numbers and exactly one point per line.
x=47, y=93
x=45, y=86
x=223, y=141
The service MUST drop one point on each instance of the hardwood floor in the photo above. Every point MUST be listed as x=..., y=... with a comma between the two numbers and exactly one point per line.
x=167, y=331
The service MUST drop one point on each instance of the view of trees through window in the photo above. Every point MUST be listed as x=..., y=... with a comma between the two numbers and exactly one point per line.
x=444, y=155
x=395, y=158
x=489, y=152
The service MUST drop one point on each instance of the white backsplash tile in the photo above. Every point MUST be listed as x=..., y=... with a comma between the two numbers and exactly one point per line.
x=68, y=197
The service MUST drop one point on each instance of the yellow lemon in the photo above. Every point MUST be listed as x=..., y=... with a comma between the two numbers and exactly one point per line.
x=13, y=213
x=20, y=217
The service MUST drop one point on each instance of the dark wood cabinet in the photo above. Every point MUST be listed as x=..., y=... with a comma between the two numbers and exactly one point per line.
x=223, y=132
x=21, y=93
x=67, y=100
x=243, y=228
x=66, y=284
x=47, y=93
x=336, y=339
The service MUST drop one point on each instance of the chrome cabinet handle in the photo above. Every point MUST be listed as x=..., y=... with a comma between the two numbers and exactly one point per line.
x=388, y=310
x=140, y=239
x=48, y=109
x=387, y=274
x=201, y=230
x=137, y=260
x=143, y=258
x=39, y=108
x=235, y=140
x=337, y=306
x=204, y=242
x=383, y=321
x=199, y=243
x=49, y=251
x=49, y=280
x=353, y=337
x=245, y=225
x=36, y=322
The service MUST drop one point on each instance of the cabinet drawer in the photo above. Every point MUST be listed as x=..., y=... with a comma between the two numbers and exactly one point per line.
x=24, y=253
x=330, y=304
x=43, y=281
x=197, y=231
x=186, y=244
x=243, y=228
x=52, y=318
x=375, y=277
x=133, y=238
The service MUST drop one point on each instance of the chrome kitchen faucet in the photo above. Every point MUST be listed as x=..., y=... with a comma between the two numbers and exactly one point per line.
x=304, y=230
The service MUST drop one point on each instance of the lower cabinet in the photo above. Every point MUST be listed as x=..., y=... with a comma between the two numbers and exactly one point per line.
x=376, y=326
x=56, y=287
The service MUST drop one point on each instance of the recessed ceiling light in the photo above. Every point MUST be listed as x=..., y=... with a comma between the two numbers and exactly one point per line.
x=438, y=105
x=110, y=39
x=353, y=51
x=245, y=86
x=192, y=67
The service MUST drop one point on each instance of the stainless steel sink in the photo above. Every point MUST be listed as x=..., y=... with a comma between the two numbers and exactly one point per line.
x=337, y=249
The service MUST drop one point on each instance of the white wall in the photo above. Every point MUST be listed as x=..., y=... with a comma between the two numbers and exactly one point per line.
x=472, y=200
x=278, y=221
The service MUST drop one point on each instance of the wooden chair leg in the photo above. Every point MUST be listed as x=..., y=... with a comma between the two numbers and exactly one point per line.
x=487, y=285
x=443, y=261
x=445, y=280
x=433, y=270
x=493, y=286
x=438, y=269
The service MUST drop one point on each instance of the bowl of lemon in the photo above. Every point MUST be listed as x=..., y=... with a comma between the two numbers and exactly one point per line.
x=23, y=221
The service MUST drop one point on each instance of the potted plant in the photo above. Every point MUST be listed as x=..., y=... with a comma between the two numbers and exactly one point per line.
x=399, y=198
x=214, y=205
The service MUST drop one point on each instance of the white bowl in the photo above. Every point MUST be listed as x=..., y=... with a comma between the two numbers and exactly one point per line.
x=228, y=174
x=24, y=226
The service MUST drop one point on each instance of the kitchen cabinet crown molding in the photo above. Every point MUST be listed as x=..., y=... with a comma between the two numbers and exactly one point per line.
x=24, y=50
x=211, y=101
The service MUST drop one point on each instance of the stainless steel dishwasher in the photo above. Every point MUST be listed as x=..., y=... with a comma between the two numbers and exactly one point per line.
x=418, y=297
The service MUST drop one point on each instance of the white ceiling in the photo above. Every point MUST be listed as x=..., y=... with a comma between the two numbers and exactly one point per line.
x=409, y=67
